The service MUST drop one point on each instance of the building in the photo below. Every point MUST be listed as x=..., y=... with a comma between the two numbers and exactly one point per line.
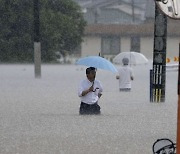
x=116, y=11
x=113, y=39
x=123, y=25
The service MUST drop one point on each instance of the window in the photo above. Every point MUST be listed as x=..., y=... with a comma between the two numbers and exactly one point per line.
x=110, y=45
x=135, y=43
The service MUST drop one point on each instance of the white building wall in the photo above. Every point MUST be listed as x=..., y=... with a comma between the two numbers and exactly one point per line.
x=125, y=44
x=172, y=49
x=146, y=47
x=91, y=46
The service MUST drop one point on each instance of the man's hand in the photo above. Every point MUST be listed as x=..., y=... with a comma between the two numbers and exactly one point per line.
x=88, y=90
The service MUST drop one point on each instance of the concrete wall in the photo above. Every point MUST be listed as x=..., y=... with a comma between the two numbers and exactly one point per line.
x=91, y=46
x=146, y=46
x=125, y=44
x=172, y=47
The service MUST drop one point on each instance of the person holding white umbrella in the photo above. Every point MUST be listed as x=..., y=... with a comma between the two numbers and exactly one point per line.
x=125, y=76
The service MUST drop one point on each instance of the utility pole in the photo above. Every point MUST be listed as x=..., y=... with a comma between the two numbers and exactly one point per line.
x=37, y=44
x=178, y=110
x=172, y=10
x=159, y=57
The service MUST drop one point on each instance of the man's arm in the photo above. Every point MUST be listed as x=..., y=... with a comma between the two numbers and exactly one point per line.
x=85, y=92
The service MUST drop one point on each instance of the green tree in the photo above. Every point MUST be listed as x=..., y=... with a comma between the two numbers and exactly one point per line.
x=61, y=28
x=15, y=30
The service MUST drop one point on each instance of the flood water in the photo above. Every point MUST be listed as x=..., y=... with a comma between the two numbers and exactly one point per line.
x=40, y=116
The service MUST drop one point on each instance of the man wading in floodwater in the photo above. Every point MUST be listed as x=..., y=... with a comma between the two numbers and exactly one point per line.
x=90, y=90
x=125, y=76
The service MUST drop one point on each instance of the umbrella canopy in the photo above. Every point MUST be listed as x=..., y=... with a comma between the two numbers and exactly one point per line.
x=97, y=62
x=135, y=58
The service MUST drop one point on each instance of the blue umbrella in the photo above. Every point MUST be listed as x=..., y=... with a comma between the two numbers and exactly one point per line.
x=97, y=62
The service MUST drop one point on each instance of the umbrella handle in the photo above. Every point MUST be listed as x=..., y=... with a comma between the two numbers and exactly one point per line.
x=92, y=86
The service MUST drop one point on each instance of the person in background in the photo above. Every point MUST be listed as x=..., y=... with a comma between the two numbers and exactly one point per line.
x=89, y=91
x=125, y=76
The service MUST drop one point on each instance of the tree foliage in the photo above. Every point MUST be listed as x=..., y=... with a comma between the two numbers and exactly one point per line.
x=61, y=29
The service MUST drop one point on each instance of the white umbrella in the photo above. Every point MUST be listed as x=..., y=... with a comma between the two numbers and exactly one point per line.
x=135, y=58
